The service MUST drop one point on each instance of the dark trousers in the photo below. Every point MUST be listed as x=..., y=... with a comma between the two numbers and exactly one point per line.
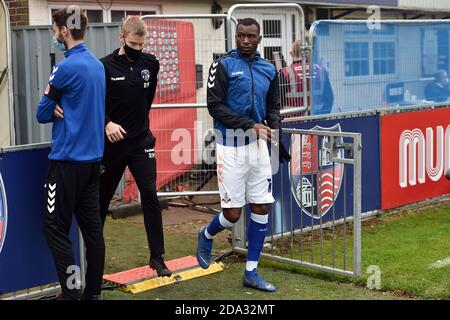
x=73, y=188
x=138, y=154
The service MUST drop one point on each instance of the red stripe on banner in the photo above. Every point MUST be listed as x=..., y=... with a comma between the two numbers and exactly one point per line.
x=2, y=225
x=414, y=149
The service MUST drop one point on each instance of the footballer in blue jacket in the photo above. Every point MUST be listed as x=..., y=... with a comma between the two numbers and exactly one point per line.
x=243, y=99
x=74, y=102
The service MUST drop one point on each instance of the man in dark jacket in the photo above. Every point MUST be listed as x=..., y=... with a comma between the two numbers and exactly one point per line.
x=438, y=90
x=131, y=78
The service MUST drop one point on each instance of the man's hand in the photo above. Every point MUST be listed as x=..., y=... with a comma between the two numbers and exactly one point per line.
x=263, y=132
x=114, y=132
x=58, y=113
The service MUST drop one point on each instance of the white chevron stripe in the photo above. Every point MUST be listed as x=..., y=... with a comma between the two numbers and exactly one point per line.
x=52, y=187
x=52, y=194
x=51, y=202
x=215, y=63
x=212, y=78
x=50, y=209
x=213, y=71
x=210, y=85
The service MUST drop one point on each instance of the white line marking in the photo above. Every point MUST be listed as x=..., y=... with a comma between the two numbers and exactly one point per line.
x=440, y=263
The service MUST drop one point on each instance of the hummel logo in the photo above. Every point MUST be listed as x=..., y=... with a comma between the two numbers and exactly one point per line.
x=51, y=197
x=151, y=153
x=212, y=73
x=52, y=76
x=118, y=78
x=237, y=73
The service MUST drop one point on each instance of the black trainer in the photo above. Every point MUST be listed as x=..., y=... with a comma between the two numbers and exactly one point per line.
x=160, y=267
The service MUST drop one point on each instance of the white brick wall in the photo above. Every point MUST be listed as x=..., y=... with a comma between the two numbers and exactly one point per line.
x=39, y=14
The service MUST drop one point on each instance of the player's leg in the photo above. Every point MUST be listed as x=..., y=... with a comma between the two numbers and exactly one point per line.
x=60, y=196
x=88, y=217
x=259, y=193
x=142, y=165
x=231, y=175
x=114, y=164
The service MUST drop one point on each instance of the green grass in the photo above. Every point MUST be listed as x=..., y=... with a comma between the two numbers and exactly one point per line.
x=403, y=246
x=127, y=248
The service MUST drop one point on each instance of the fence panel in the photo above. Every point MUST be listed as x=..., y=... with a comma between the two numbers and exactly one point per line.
x=367, y=65
x=316, y=218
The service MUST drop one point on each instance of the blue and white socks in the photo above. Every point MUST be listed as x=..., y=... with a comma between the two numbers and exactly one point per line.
x=256, y=233
x=217, y=224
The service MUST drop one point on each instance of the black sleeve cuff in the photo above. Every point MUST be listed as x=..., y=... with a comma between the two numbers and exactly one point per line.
x=53, y=93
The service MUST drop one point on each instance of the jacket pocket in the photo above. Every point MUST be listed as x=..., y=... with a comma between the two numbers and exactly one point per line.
x=149, y=140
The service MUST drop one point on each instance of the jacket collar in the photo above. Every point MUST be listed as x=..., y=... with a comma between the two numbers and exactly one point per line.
x=235, y=53
x=78, y=48
x=122, y=57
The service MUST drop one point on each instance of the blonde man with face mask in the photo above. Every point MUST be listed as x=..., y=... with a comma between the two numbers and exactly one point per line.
x=131, y=78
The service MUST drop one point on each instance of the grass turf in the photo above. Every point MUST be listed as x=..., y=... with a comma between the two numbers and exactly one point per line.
x=127, y=248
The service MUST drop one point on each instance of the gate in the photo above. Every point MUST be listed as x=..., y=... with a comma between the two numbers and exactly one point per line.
x=316, y=218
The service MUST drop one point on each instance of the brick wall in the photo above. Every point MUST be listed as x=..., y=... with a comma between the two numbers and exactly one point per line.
x=18, y=12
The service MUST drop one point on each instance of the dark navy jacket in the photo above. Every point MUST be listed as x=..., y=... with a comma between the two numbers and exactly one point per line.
x=77, y=85
x=241, y=93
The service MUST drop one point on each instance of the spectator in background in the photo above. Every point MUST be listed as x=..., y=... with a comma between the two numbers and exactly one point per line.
x=438, y=90
x=291, y=84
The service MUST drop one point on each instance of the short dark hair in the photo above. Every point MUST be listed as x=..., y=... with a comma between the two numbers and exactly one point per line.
x=61, y=16
x=249, y=22
x=439, y=75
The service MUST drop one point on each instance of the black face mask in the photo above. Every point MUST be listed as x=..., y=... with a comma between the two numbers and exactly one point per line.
x=131, y=53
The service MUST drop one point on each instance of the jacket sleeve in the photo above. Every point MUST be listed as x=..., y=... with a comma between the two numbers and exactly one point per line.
x=153, y=83
x=45, y=108
x=216, y=97
x=104, y=61
x=52, y=96
x=273, y=116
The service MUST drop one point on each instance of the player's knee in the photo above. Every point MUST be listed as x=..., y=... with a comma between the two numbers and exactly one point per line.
x=259, y=208
x=148, y=193
x=232, y=214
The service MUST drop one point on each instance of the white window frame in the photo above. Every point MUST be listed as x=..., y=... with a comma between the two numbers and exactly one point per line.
x=369, y=47
x=286, y=34
x=106, y=13
x=132, y=8
x=371, y=77
x=384, y=58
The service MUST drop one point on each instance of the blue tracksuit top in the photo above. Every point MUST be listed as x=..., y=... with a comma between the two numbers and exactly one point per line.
x=77, y=85
x=241, y=93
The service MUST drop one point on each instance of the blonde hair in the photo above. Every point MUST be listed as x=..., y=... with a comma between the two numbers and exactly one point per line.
x=133, y=25
x=295, y=51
